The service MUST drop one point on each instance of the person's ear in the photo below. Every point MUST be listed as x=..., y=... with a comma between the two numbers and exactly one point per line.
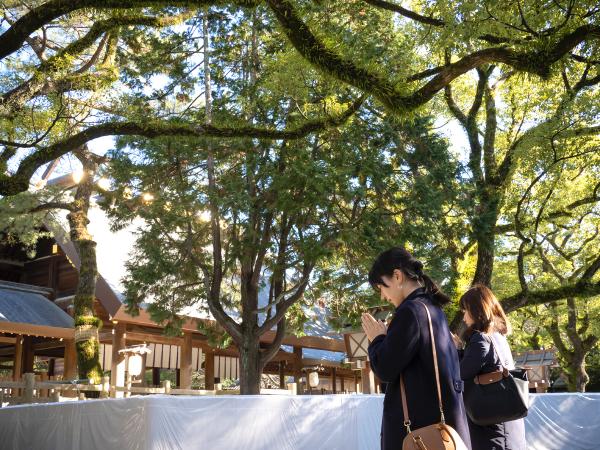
x=398, y=275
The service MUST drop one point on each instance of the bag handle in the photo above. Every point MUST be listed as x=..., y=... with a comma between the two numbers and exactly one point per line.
x=493, y=345
x=437, y=378
x=488, y=378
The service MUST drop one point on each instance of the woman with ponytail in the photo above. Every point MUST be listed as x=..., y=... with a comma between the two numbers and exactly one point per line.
x=404, y=348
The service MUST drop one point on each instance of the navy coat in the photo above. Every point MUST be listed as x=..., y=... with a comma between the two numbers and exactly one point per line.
x=478, y=358
x=406, y=348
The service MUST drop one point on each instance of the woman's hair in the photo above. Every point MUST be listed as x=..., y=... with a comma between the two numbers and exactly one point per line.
x=485, y=310
x=398, y=258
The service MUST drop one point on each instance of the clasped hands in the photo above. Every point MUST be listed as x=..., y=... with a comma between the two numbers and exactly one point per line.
x=372, y=327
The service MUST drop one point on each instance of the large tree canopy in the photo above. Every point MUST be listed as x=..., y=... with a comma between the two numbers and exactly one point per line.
x=61, y=55
x=306, y=131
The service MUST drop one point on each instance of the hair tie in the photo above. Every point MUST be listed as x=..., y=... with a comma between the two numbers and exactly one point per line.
x=418, y=267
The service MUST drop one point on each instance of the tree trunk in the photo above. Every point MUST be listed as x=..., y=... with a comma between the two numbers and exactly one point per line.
x=484, y=228
x=485, y=262
x=581, y=376
x=573, y=356
x=86, y=324
x=577, y=377
x=250, y=367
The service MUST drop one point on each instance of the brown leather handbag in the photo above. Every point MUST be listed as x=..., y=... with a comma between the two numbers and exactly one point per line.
x=438, y=436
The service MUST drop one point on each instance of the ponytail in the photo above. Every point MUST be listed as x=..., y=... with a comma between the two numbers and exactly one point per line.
x=438, y=296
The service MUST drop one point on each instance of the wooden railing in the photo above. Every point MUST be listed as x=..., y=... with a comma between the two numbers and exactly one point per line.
x=30, y=390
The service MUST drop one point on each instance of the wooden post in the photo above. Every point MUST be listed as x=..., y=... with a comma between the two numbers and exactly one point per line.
x=377, y=383
x=28, y=354
x=117, y=368
x=51, y=365
x=293, y=388
x=185, y=371
x=143, y=373
x=105, y=387
x=298, y=368
x=334, y=380
x=29, y=385
x=209, y=370
x=281, y=374
x=70, y=366
x=127, y=380
x=368, y=379
x=53, y=273
x=356, y=385
x=18, y=361
x=70, y=356
x=343, y=389
x=156, y=376
x=44, y=392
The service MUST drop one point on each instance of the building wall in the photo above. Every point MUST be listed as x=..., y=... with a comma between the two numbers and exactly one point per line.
x=168, y=357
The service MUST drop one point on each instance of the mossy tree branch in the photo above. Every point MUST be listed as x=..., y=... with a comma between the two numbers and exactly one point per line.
x=13, y=38
x=531, y=298
x=538, y=62
x=39, y=84
x=409, y=14
x=19, y=181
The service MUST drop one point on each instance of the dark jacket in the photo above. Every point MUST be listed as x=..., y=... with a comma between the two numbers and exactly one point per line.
x=479, y=357
x=406, y=348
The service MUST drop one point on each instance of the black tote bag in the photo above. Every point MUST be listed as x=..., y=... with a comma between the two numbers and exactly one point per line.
x=504, y=399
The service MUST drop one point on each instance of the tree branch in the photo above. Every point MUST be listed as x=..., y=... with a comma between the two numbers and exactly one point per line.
x=95, y=56
x=521, y=267
x=53, y=205
x=530, y=298
x=549, y=265
x=554, y=332
x=19, y=182
x=571, y=328
x=287, y=303
x=34, y=85
x=440, y=23
x=454, y=108
x=12, y=39
x=567, y=212
x=591, y=270
x=424, y=74
x=330, y=62
x=489, y=139
x=272, y=349
x=406, y=12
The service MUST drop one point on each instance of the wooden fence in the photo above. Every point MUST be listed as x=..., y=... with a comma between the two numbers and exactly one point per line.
x=30, y=390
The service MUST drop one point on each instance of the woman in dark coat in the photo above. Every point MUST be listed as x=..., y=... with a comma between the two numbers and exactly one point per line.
x=404, y=347
x=487, y=351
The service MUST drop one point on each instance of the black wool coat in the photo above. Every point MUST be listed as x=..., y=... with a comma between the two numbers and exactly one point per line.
x=406, y=349
x=478, y=358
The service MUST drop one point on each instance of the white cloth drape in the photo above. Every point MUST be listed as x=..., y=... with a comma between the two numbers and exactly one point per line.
x=344, y=422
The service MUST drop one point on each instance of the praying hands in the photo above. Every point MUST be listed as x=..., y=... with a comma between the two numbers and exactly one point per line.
x=372, y=327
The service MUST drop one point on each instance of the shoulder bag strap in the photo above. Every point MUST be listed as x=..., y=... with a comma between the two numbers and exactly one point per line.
x=435, y=365
x=404, y=405
x=437, y=379
x=493, y=344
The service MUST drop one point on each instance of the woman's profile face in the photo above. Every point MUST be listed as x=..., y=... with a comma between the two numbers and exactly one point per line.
x=392, y=292
x=468, y=319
